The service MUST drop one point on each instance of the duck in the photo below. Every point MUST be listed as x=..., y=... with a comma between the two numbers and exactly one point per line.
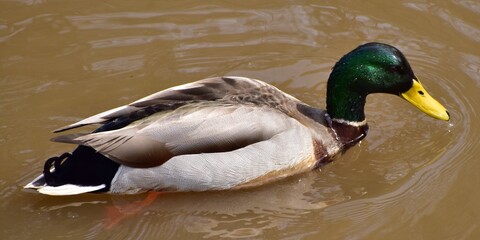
x=228, y=133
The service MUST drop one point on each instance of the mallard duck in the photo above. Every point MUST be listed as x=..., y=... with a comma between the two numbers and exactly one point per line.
x=228, y=132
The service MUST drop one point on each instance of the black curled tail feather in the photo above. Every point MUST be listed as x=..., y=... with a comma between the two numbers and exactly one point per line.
x=83, y=167
x=51, y=177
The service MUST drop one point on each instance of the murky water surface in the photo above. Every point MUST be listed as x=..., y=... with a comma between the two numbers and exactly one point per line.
x=413, y=177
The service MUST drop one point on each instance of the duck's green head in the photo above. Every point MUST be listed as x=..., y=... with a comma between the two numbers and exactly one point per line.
x=375, y=68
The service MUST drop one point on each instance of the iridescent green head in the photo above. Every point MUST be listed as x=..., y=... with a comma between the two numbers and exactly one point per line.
x=375, y=68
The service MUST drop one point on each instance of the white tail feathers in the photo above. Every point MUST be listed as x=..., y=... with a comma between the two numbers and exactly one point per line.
x=67, y=189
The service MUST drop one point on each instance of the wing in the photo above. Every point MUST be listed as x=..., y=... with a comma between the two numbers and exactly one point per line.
x=190, y=129
x=207, y=90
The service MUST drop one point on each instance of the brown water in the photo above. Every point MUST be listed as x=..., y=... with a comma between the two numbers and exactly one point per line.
x=413, y=177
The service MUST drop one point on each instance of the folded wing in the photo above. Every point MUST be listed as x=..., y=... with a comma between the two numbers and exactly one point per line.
x=210, y=128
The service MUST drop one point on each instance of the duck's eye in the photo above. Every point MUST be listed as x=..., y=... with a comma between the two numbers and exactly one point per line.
x=395, y=69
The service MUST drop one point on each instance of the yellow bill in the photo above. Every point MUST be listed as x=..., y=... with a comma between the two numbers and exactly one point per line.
x=419, y=97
